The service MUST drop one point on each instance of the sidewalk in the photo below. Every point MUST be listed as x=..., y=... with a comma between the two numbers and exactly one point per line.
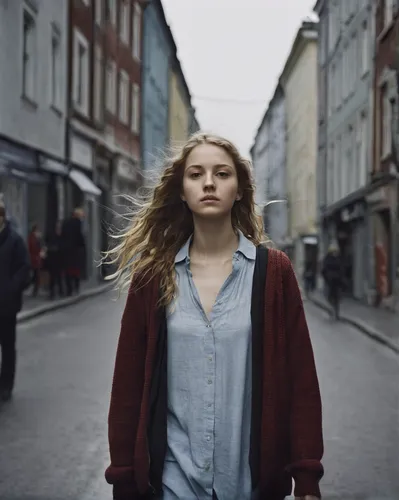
x=36, y=306
x=379, y=324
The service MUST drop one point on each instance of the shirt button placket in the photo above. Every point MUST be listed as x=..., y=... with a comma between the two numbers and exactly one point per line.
x=210, y=370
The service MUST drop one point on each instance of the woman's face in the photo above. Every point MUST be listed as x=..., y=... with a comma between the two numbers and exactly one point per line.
x=210, y=183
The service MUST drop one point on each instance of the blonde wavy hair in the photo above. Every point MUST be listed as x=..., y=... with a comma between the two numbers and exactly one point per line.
x=162, y=223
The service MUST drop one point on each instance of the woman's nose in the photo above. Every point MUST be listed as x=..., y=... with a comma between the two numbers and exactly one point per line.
x=209, y=181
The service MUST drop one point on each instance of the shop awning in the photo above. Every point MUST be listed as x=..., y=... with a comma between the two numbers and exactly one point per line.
x=13, y=156
x=30, y=177
x=85, y=184
x=53, y=166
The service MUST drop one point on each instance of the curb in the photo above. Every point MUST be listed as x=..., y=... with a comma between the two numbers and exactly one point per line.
x=61, y=304
x=363, y=327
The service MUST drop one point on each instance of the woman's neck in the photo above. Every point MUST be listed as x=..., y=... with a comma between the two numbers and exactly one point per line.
x=213, y=240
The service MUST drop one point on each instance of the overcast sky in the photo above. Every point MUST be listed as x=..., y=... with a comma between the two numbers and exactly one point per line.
x=232, y=53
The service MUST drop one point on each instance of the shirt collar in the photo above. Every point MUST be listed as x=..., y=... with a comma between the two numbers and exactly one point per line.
x=245, y=247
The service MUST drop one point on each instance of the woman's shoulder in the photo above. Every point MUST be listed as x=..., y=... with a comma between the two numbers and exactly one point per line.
x=280, y=258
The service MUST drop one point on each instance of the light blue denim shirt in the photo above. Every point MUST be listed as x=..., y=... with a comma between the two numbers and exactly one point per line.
x=210, y=385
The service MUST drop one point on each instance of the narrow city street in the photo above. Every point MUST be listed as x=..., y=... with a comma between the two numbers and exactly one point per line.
x=53, y=435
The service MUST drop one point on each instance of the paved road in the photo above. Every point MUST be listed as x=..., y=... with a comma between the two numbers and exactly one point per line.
x=53, y=436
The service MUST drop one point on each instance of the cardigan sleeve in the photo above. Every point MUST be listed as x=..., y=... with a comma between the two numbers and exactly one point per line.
x=306, y=439
x=126, y=395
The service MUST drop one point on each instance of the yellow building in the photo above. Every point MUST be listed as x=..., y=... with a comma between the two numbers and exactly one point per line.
x=299, y=80
x=180, y=108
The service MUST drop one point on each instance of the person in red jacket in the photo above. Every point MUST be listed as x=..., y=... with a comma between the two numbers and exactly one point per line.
x=215, y=393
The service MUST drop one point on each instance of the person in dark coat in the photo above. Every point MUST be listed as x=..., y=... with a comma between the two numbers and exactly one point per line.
x=332, y=272
x=74, y=246
x=54, y=260
x=14, y=278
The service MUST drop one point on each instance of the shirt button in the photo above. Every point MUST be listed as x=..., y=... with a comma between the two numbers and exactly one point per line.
x=209, y=381
x=209, y=405
x=208, y=438
x=210, y=358
x=207, y=467
x=208, y=325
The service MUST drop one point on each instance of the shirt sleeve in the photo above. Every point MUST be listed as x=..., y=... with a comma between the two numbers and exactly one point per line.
x=306, y=411
x=126, y=395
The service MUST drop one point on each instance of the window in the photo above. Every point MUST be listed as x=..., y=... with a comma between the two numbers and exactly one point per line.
x=29, y=54
x=338, y=165
x=56, y=69
x=365, y=49
x=111, y=10
x=137, y=32
x=111, y=87
x=98, y=85
x=354, y=62
x=330, y=176
x=388, y=12
x=99, y=12
x=124, y=97
x=124, y=21
x=135, y=108
x=364, y=151
x=348, y=186
x=81, y=73
x=333, y=93
x=386, y=121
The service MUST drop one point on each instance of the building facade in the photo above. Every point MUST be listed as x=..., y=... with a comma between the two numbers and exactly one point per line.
x=180, y=108
x=268, y=157
x=299, y=81
x=277, y=212
x=345, y=113
x=33, y=108
x=158, y=50
x=383, y=199
x=103, y=136
x=260, y=157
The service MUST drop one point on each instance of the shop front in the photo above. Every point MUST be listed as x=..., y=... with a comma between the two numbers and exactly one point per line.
x=57, y=172
x=124, y=187
x=383, y=202
x=347, y=225
x=23, y=186
x=104, y=177
x=82, y=191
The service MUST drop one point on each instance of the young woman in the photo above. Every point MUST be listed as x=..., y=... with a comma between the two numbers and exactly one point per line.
x=215, y=393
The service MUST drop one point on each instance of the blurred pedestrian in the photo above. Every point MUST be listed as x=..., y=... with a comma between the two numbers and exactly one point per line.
x=55, y=261
x=215, y=392
x=35, y=254
x=332, y=272
x=14, y=277
x=309, y=278
x=74, y=247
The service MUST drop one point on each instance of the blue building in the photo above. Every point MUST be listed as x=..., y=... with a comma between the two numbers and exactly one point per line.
x=269, y=160
x=158, y=48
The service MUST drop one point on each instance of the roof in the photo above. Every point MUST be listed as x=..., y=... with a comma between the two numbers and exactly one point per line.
x=307, y=31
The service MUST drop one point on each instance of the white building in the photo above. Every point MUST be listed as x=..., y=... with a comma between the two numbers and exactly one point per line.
x=33, y=62
x=299, y=81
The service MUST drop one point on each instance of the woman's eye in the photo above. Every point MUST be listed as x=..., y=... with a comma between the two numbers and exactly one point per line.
x=223, y=174
x=195, y=175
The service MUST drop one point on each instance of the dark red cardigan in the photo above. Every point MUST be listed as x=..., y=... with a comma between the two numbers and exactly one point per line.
x=291, y=438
